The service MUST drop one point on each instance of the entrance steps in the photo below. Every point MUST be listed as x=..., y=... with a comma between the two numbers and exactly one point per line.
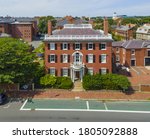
x=78, y=86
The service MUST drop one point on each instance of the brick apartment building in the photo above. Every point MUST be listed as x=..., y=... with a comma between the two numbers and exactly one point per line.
x=131, y=53
x=78, y=49
x=24, y=28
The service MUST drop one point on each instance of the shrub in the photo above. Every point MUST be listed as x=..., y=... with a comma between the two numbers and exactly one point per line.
x=107, y=81
x=63, y=83
x=48, y=80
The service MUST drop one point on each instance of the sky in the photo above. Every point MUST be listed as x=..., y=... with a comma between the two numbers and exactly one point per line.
x=61, y=8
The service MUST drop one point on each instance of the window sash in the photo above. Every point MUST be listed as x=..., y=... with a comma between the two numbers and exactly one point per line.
x=52, y=71
x=103, y=58
x=52, y=58
x=52, y=46
x=103, y=46
x=103, y=70
x=90, y=58
x=77, y=46
x=65, y=72
x=65, y=58
x=65, y=46
x=133, y=52
x=90, y=46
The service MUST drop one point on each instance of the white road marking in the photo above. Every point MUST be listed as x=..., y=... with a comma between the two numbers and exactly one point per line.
x=87, y=105
x=85, y=110
x=6, y=107
x=105, y=106
x=24, y=105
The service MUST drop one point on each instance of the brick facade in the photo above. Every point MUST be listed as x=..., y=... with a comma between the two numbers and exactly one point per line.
x=85, y=54
x=131, y=54
x=23, y=29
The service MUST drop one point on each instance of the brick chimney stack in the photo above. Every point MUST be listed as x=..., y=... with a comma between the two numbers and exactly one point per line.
x=105, y=26
x=49, y=27
x=91, y=22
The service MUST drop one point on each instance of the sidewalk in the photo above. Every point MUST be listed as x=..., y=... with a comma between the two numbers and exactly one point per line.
x=65, y=94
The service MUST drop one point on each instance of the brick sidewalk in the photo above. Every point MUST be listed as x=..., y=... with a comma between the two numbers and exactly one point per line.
x=59, y=94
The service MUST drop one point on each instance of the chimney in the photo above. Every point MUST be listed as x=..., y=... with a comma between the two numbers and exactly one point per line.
x=49, y=27
x=91, y=22
x=105, y=26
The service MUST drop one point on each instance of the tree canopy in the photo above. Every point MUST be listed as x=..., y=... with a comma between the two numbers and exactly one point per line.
x=16, y=61
x=43, y=21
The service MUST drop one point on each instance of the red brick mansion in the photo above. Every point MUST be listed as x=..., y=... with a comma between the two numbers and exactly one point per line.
x=78, y=49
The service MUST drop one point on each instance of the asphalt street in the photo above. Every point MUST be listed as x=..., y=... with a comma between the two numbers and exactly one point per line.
x=10, y=112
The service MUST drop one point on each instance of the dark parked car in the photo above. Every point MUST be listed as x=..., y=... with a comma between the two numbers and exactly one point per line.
x=3, y=98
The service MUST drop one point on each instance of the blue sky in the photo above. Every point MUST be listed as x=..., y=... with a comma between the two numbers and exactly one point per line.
x=74, y=7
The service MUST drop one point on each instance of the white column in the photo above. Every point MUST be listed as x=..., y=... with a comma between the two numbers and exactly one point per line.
x=73, y=75
x=81, y=74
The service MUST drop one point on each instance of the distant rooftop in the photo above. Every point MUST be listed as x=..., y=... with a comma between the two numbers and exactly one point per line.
x=15, y=19
x=144, y=29
x=132, y=44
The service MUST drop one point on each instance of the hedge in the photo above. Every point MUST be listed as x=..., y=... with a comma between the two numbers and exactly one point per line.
x=56, y=82
x=107, y=81
x=63, y=83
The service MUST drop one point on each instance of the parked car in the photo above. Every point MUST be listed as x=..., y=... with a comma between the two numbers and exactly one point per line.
x=3, y=98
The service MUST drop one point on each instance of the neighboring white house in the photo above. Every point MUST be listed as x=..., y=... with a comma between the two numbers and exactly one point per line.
x=143, y=32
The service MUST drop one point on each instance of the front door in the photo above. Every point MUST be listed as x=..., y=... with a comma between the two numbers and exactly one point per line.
x=77, y=75
x=132, y=62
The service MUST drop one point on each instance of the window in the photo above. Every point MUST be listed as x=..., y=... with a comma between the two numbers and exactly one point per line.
x=90, y=71
x=117, y=58
x=148, y=52
x=77, y=46
x=117, y=49
x=65, y=58
x=65, y=46
x=52, y=46
x=52, y=71
x=52, y=58
x=132, y=51
x=65, y=72
x=103, y=70
x=90, y=58
x=103, y=46
x=103, y=58
x=90, y=46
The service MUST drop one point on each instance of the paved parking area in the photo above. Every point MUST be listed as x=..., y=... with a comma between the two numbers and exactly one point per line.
x=139, y=75
x=86, y=105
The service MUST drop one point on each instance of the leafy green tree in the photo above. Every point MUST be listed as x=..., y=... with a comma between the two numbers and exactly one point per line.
x=48, y=80
x=16, y=61
x=43, y=21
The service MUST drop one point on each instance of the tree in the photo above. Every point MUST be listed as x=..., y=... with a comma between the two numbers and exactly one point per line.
x=16, y=61
x=43, y=21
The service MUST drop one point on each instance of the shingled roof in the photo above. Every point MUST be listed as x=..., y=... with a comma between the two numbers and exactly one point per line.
x=77, y=31
x=132, y=44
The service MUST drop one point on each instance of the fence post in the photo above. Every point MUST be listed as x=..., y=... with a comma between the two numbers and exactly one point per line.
x=32, y=86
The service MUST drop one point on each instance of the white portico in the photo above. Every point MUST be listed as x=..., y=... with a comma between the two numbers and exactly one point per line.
x=77, y=68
